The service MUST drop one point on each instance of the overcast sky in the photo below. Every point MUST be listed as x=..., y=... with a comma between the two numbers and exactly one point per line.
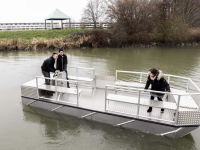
x=15, y=11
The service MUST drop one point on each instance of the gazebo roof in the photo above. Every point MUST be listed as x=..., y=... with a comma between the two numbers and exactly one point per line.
x=57, y=15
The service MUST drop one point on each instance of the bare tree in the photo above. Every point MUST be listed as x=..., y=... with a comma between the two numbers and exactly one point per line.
x=94, y=12
x=175, y=17
x=132, y=15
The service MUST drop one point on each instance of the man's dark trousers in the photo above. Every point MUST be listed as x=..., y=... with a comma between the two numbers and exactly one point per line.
x=47, y=75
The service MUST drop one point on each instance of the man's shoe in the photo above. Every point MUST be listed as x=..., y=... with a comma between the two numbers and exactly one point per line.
x=49, y=93
x=149, y=110
x=68, y=85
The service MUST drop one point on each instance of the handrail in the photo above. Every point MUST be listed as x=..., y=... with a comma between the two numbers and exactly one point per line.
x=138, y=102
x=56, y=79
x=77, y=68
x=56, y=82
x=153, y=91
x=146, y=73
x=194, y=84
x=82, y=68
x=169, y=75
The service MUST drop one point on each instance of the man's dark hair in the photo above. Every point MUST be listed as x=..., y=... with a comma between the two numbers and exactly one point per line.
x=54, y=54
x=154, y=71
x=60, y=50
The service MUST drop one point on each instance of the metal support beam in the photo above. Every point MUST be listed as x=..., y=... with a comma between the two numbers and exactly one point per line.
x=89, y=114
x=171, y=132
x=177, y=109
x=138, y=107
x=58, y=97
x=31, y=102
x=124, y=123
x=57, y=108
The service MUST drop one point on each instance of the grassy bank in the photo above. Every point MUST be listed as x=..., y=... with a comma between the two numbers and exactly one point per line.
x=27, y=35
x=80, y=38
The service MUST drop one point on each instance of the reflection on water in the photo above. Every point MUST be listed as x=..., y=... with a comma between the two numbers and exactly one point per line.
x=30, y=128
x=87, y=134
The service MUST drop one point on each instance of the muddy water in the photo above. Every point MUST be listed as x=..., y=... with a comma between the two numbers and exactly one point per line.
x=25, y=128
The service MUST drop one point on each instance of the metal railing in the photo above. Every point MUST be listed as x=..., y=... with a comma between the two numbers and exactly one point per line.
x=93, y=73
x=56, y=89
x=77, y=68
x=168, y=78
x=139, y=104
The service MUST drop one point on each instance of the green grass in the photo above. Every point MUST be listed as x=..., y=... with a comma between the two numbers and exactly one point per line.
x=30, y=34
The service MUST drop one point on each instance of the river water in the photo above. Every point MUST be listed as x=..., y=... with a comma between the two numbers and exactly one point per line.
x=26, y=128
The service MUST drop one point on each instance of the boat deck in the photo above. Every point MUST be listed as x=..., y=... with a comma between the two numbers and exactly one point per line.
x=123, y=103
x=111, y=100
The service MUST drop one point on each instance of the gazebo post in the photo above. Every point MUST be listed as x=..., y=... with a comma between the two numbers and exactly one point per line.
x=52, y=24
x=61, y=25
x=45, y=25
x=69, y=23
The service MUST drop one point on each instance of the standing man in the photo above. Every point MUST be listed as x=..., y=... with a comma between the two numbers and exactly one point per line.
x=62, y=63
x=48, y=66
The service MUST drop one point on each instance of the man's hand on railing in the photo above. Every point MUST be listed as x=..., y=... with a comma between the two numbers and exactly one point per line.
x=167, y=93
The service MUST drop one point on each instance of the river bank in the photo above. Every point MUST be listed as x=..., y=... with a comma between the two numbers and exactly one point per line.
x=82, y=39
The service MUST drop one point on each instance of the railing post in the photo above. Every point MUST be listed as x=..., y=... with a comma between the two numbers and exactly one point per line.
x=76, y=72
x=77, y=94
x=138, y=108
x=37, y=87
x=188, y=85
x=93, y=74
x=168, y=79
x=56, y=89
x=94, y=79
x=116, y=75
x=177, y=110
x=105, y=98
x=140, y=78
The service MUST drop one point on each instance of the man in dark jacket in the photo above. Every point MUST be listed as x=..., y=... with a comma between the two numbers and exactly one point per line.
x=48, y=66
x=62, y=63
x=158, y=83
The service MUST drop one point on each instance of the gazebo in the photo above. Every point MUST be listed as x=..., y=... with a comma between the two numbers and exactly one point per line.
x=58, y=15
